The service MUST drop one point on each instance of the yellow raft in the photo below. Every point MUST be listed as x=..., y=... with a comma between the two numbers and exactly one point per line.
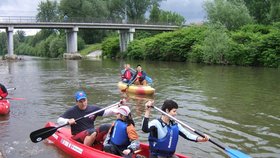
x=136, y=89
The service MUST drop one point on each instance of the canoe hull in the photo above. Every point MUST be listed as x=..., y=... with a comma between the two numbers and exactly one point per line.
x=62, y=139
x=136, y=89
x=4, y=107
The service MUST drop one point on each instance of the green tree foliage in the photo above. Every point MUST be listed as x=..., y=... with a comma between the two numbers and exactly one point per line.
x=259, y=10
x=117, y=10
x=48, y=11
x=274, y=14
x=83, y=10
x=136, y=10
x=3, y=43
x=110, y=47
x=216, y=48
x=155, y=14
x=169, y=46
x=87, y=11
x=172, y=18
x=21, y=35
x=158, y=16
x=256, y=45
x=232, y=14
x=25, y=49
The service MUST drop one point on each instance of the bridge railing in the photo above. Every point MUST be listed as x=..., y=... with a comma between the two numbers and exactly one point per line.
x=33, y=19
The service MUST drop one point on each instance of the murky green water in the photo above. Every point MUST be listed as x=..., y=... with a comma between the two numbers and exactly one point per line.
x=237, y=106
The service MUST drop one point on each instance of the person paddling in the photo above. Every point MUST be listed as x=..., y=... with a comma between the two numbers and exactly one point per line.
x=83, y=131
x=139, y=76
x=164, y=132
x=3, y=92
x=127, y=74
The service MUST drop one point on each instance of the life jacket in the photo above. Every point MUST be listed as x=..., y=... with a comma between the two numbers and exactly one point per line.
x=165, y=146
x=127, y=74
x=140, y=74
x=119, y=135
x=3, y=91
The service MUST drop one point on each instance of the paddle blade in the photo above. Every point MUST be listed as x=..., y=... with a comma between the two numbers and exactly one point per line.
x=42, y=134
x=148, y=79
x=10, y=89
x=236, y=153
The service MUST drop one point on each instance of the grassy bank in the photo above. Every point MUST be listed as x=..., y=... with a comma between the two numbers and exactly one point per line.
x=90, y=48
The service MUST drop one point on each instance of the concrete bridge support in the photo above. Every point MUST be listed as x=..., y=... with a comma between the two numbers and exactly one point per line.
x=10, y=39
x=126, y=36
x=72, y=44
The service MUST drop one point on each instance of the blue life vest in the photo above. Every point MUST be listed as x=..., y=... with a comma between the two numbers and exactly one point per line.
x=119, y=135
x=165, y=146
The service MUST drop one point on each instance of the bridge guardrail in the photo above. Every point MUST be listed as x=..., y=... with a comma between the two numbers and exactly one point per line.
x=33, y=19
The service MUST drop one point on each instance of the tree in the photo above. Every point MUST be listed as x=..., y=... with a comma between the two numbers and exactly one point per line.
x=172, y=18
x=3, y=43
x=21, y=35
x=136, y=10
x=216, y=47
x=48, y=11
x=155, y=14
x=84, y=10
x=232, y=14
x=274, y=14
x=259, y=10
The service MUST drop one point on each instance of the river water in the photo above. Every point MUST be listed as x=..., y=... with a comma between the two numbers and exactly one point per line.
x=237, y=106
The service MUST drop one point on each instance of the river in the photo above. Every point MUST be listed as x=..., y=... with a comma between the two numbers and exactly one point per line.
x=237, y=106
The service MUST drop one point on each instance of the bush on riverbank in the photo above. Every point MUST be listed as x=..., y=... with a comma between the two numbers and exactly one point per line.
x=251, y=45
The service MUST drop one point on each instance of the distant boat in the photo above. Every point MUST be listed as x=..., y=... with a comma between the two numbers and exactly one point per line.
x=136, y=89
x=4, y=107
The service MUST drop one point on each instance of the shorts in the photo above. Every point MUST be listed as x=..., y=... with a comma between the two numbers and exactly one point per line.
x=80, y=137
x=102, y=131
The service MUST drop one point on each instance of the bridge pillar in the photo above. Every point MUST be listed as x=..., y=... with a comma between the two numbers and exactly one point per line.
x=10, y=40
x=126, y=36
x=72, y=44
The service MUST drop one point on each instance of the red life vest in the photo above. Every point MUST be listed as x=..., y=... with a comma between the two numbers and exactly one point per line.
x=127, y=74
x=3, y=91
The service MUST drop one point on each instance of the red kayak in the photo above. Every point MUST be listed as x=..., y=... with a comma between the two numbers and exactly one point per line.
x=4, y=107
x=62, y=139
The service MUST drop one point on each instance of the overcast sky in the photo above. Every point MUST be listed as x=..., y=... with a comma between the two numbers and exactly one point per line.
x=192, y=10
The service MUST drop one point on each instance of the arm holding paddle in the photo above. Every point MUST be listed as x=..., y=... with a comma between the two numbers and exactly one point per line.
x=107, y=112
x=231, y=152
x=184, y=133
x=80, y=112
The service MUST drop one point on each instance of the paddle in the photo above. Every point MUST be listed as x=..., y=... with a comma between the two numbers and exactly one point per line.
x=147, y=78
x=129, y=83
x=231, y=152
x=10, y=89
x=43, y=133
x=15, y=98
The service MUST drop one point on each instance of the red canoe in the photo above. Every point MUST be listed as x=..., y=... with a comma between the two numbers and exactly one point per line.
x=62, y=139
x=4, y=107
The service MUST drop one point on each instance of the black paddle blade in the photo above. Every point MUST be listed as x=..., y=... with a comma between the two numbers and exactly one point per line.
x=42, y=134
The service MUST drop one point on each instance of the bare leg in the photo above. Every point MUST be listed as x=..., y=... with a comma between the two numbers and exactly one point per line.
x=89, y=140
x=137, y=82
x=144, y=83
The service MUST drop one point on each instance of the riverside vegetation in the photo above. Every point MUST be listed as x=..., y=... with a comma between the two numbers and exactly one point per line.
x=237, y=32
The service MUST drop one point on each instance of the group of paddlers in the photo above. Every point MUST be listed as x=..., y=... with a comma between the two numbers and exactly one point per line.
x=120, y=137
x=131, y=76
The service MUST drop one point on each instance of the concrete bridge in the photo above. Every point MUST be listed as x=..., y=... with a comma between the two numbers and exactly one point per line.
x=126, y=31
